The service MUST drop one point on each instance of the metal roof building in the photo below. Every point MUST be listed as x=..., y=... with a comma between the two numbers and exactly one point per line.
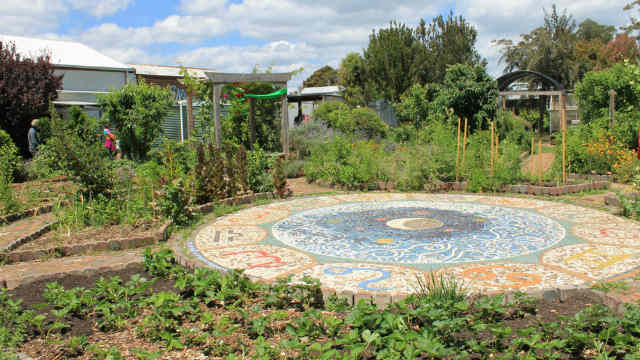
x=86, y=71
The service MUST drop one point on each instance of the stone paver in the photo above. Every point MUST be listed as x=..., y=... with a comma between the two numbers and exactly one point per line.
x=13, y=234
x=387, y=243
x=12, y=276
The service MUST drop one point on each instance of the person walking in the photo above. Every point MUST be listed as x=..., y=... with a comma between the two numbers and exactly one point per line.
x=33, y=138
x=110, y=142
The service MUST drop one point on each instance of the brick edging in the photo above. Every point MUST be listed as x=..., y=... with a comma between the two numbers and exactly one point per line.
x=160, y=234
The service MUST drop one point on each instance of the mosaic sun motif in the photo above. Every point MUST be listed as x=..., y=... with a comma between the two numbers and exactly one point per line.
x=365, y=278
x=418, y=232
x=594, y=261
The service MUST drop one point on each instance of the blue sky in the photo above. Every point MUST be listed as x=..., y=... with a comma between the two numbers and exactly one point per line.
x=236, y=35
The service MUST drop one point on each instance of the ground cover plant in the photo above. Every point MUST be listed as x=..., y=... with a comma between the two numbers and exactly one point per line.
x=164, y=311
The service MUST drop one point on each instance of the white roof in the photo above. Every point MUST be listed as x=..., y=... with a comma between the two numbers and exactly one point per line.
x=64, y=53
x=322, y=90
x=173, y=71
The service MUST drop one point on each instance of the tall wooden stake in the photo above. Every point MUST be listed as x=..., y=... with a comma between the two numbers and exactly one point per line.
x=464, y=143
x=458, y=151
x=492, y=147
x=532, y=144
x=563, y=118
x=539, y=162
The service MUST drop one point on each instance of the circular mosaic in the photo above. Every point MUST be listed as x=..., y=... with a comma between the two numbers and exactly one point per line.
x=418, y=232
x=387, y=243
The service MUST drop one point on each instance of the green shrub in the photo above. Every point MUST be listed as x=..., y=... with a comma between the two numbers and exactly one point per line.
x=593, y=91
x=477, y=169
x=258, y=175
x=280, y=179
x=404, y=133
x=417, y=104
x=304, y=137
x=174, y=202
x=360, y=122
x=137, y=112
x=9, y=158
x=294, y=168
x=82, y=154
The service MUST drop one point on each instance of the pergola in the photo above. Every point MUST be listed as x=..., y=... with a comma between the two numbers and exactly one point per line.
x=219, y=80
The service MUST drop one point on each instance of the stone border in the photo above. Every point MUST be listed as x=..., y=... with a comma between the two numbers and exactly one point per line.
x=238, y=200
x=29, y=237
x=42, y=209
x=115, y=244
x=462, y=185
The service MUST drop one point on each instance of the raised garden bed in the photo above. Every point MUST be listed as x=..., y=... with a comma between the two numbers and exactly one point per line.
x=121, y=237
x=613, y=200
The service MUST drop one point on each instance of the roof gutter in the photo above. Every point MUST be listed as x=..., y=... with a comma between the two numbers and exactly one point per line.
x=99, y=68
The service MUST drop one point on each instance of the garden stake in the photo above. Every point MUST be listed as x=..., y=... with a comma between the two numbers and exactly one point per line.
x=492, y=147
x=458, y=151
x=532, y=144
x=539, y=162
x=563, y=104
x=464, y=143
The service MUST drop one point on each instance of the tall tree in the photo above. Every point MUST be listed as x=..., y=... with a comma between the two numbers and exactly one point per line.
x=635, y=23
x=548, y=49
x=589, y=30
x=352, y=76
x=448, y=41
x=393, y=55
x=325, y=76
x=26, y=87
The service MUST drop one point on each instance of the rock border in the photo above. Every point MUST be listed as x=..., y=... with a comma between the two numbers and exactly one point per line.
x=42, y=209
x=29, y=237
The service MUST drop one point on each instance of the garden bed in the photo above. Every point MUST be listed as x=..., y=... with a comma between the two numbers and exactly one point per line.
x=283, y=321
x=117, y=237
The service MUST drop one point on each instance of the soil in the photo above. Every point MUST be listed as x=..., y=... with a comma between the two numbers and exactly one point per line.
x=61, y=237
x=127, y=339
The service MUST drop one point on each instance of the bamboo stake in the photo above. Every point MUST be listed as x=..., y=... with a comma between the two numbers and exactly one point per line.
x=532, y=144
x=539, y=162
x=458, y=151
x=563, y=118
x=497, y=146
x=464, y=143
x=492, y=147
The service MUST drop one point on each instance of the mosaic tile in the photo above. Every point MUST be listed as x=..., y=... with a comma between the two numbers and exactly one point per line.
x=253, y=216
x=264, y=261
x=214, y=236
x=595, y=261
x=619, y=233
x=433, y=232
x=443, y=197
x=516, y=202
x=491, y=277
x=371, y=197
x=304, y=204
x=578, y=214
x=365, y=278
x=374, y=243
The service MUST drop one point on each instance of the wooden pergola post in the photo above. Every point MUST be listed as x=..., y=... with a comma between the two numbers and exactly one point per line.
x=284, y=118
x=220, y=79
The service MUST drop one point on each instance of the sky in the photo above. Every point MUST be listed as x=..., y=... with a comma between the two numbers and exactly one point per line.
x=284, y=35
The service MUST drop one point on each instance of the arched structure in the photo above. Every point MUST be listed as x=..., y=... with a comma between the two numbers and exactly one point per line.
x=507, y=79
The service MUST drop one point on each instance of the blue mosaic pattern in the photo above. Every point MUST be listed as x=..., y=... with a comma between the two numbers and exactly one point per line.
x=464, y=232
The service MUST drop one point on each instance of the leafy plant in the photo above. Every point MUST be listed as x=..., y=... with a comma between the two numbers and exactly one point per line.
x=280, y=179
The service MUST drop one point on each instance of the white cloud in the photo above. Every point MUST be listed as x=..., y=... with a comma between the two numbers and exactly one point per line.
x=100, y=8
x=284, y=33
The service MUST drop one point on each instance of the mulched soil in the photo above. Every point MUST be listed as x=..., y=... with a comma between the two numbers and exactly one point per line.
x=62, y=237
x=127, y=339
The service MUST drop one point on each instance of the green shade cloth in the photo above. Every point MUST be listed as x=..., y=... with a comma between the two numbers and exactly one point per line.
x=274, y=95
